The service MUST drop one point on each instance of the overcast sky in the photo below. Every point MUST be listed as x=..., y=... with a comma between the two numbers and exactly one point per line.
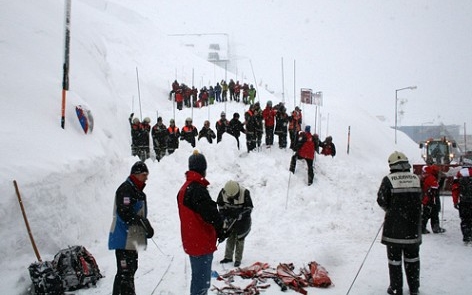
x=364, y=50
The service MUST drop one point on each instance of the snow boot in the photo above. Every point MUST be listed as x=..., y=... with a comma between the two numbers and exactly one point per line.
x=437, y=229
x=394, y=292
x=226, y=260
x=237, y=263
x=424, y=231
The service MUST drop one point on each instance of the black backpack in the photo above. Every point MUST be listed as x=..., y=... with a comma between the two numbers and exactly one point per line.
x=77, y=268
x=45, y=279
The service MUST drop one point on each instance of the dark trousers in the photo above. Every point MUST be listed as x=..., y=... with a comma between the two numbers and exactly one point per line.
x=219, y=135
x=250, y=141
x=411, y=260
x=309, y=163
x=126, y=266
x=282, y=140
x=465, y=213
x=269, y=135
x=431, y=211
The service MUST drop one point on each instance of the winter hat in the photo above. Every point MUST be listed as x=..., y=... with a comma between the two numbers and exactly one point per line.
x=139, y=167
x=197, y=162
x=307, y=128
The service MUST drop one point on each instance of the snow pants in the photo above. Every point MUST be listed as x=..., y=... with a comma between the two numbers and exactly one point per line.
x=465, y=213
x=431, y=211
x=126, y=265
x=411, y=260
x=201, y=274
x=309, y=163
x=250, y=141
x=269, y=135
x=282, y=139
x=234, y=246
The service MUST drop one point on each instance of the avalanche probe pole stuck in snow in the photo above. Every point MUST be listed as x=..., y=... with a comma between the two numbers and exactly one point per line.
x=367, y=254
x=26, y=221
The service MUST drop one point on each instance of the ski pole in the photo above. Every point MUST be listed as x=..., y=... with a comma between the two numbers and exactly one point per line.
x=139, y=95
x=289, y=177
x=365, y=258
x=26, y=222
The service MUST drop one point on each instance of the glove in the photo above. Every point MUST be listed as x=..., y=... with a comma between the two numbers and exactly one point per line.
x=222, y=235
x=147, y=227
x=456, y=206
x=131, y=116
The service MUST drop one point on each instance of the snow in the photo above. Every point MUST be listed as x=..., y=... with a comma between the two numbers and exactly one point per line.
x=67, y=179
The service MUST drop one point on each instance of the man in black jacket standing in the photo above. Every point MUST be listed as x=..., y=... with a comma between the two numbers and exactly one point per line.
x=130, y=228
x=235, y=205
x=399, y=196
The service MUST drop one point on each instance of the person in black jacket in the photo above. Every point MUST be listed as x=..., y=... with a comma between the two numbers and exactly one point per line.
x=235, y=205
x=160, y=136
x=173, y=137
x=281, y=125
x=221, y=125
x=130, y=228
x=235, y=128
x=207, y=132
x=399, y=196
x=189, y=132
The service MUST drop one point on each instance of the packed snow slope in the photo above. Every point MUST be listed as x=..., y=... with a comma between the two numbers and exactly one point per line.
x=67, y=179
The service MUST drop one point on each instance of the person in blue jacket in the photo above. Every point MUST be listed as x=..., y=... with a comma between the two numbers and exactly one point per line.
x=130, y=228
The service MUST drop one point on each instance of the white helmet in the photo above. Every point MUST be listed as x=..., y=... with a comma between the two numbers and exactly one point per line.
x=231, y=188
x=147, y=120
x=398, y=161
x=397, y=157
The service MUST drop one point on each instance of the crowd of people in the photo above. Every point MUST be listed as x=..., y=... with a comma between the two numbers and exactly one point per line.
x=271, y=121
x=186, y=96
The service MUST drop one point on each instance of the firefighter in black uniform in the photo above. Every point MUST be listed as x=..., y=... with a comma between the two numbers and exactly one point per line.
x=399, y=196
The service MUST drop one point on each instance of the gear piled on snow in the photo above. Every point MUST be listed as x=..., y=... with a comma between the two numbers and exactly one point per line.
x=77, y=268
x=72, y=268
x=314, y=275
x=45, y=278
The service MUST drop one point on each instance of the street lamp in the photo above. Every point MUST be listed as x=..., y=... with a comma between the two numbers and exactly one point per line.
x=396, y=103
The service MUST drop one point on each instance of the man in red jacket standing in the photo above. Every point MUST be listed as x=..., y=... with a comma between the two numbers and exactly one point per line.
x=269, y=114
x=200, y=223
x=304, y=149
x=431, y=201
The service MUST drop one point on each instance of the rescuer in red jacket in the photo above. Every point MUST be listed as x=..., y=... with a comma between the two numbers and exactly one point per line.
x=304, y=149
x=200, y=223
x=431, y=201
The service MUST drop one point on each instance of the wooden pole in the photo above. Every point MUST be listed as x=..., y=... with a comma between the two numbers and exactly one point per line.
x=26, y=222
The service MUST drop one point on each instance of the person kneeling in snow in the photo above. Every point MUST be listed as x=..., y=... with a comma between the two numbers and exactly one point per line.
x=235, y=205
